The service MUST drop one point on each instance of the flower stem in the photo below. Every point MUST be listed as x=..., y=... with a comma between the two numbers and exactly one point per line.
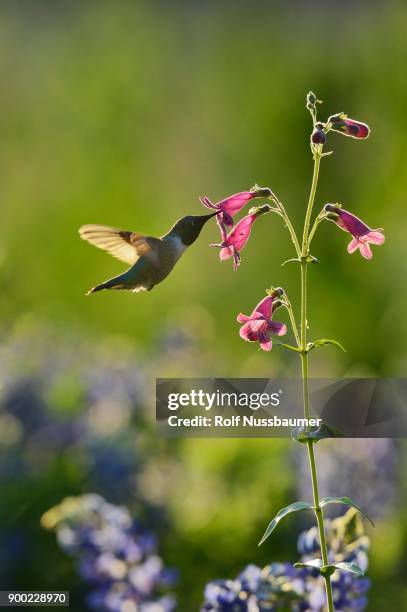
x=315, y=225
x=290, y=311
x=304, y=363
x=305, y=241
x=283, y=213
x=320, y=520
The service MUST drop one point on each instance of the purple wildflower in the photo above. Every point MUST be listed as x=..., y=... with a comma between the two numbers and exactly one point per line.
x=259, y=325
x=281, y=586
x=233, y=204
x=349, y=127
x=236, y=240
x=362, y=234
x=115, y=555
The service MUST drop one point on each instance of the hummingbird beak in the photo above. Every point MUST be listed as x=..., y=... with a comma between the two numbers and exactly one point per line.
x=202, y=219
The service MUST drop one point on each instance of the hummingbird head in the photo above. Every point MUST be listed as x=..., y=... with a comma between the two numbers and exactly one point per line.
x=188, y=228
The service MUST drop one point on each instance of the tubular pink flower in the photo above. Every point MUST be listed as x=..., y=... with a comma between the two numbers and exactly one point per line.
x=236, y=240
x=233, y=204
x=363, y=235
x=349, y=127
x=259, y=325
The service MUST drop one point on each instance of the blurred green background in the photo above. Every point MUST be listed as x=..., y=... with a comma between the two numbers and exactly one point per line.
x=123, y=114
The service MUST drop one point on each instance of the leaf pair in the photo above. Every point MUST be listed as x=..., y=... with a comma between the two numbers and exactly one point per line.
x=302, y=435
x=296, y=506
x=328, y=570
x=313, y=345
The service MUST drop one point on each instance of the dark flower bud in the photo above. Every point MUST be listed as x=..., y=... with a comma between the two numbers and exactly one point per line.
x=348, y=127
x=318, y=136
x=311, y=101
x=331, y=207
x=259, y=210
x=261, y=192
x=275, y=292
x=332, y=216
x=311, y=97
x=277, y=304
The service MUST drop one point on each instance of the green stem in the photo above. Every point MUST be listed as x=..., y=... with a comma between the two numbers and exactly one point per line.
x=317, y=161
x=315, y=225
x=283, y=213
x=305, y=392
x=320, y=520
x=289, y=308
x=304, y=363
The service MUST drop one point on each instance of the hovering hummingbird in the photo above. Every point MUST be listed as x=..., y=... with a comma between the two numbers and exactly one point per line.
x=151, y=259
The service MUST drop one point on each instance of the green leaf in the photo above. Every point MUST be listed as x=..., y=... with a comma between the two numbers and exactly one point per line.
x=350, y=567
x=324, y=570
x=310, y=259
x=323, y=342
x=307, y=259
x=314, y=563
x=291, y=261
x=295, y=507
x=328, y=570
x=324, y=431
x=347, y=501
x=288, y=346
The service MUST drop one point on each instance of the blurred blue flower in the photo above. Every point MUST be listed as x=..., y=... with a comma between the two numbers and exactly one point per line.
x=114, y=554
x=58, y=395
x=281, y=586
x=359, y=463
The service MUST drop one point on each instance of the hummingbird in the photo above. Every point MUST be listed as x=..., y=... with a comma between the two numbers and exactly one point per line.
x=150, y=259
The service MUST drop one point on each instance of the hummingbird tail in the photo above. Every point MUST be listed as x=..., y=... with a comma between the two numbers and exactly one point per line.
x=97, y=288
x=113, y=283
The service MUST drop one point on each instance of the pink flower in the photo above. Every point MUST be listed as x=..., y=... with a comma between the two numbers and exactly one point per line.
x=235, y=241
x=363, y=235
x=349, y=127
x=259, y=326
x=233, y=204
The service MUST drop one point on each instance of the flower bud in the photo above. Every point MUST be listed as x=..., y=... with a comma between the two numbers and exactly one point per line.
x=332, y=212
x=311, y=97
x=332, y=216
x=349, y=127
x=278, y=292
x=318, y=136
x=277, y=304
x=331, y=207
x=260, y=210
x=261, y=192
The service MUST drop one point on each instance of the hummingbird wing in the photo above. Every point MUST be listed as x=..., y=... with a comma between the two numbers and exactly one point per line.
x=124, y=245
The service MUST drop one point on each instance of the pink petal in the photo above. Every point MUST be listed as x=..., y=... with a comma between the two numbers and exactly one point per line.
x=365, y=249
x=225, y=253
x=266, y=343
x=280, y=329
x=242, y=318
x=375, y=237
x=246, y=333
x=206, y=202
x=265, y=307
x=227, y=219
x=258, y=325
x=222, y=228
x=353, y=245
x=234, y=203
x=351, y=223
x=236, y=259
x=241, y=232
